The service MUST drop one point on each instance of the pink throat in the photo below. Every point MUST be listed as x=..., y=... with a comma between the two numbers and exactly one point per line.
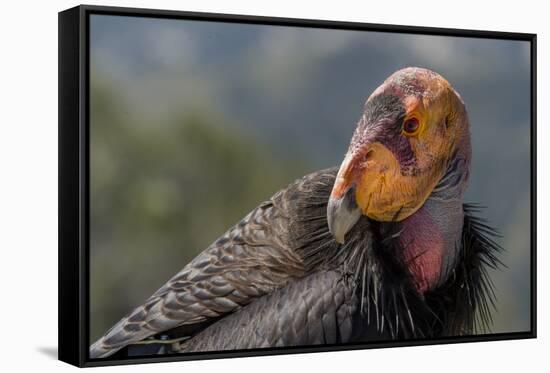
x=423, y=249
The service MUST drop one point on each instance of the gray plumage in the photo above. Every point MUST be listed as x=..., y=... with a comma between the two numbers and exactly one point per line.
x=416, y=269
x=255, y=257
x=278, y=278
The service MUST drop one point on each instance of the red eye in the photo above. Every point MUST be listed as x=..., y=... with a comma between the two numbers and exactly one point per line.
x=410, y=126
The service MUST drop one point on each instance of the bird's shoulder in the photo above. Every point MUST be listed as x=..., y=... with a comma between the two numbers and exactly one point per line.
x=268, y=240
x=261, y=253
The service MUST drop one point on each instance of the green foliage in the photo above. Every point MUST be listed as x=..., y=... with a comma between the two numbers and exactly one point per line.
x=161, y=192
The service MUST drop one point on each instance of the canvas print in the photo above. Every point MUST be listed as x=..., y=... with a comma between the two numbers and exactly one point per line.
x=256, y=186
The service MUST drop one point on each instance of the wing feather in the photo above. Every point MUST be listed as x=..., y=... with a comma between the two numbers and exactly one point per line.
x=260, y=254
x=323, y=316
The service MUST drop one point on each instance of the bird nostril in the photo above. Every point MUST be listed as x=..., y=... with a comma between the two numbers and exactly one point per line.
x=366, y=157
x=447, y=121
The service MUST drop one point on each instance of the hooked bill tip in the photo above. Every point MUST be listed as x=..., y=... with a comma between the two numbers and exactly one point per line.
x=342, y=214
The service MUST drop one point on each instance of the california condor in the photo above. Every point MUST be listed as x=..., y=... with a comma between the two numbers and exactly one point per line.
x=381, y=248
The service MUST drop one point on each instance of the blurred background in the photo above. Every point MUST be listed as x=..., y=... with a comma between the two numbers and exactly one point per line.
x=193, y=124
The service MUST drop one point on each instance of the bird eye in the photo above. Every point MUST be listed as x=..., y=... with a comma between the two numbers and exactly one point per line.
x=411, y=126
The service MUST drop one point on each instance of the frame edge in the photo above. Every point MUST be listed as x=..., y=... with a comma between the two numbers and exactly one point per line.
x=72, y=113
x=69, y=218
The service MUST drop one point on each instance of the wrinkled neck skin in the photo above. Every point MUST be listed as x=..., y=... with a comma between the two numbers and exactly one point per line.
x=431, y=237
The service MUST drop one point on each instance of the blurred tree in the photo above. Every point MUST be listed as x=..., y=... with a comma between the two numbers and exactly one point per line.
x=162, y=192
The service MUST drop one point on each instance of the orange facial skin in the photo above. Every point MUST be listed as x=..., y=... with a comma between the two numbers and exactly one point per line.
x=394, y=171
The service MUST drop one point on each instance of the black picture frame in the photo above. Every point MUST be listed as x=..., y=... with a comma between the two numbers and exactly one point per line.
x=74, y=180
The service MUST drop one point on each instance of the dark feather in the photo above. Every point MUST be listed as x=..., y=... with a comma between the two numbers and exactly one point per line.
x=315, y=291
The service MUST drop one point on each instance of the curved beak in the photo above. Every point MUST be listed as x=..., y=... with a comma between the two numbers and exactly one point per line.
x=342, y=210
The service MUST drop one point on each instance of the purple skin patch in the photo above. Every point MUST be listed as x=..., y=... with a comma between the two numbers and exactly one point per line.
x=382, y=122
x=423, y=245
x=401, y=147
x=430, y=236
